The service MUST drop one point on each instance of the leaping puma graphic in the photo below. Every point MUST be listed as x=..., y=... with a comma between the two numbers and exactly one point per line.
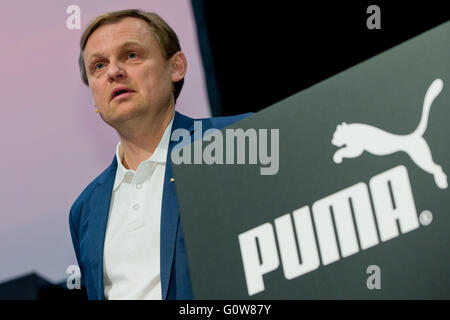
x=358, y=137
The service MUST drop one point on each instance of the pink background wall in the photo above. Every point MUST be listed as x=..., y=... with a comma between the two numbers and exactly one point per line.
x=52, y=142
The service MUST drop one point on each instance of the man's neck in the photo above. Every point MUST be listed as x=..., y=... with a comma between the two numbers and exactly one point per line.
x=139, y=146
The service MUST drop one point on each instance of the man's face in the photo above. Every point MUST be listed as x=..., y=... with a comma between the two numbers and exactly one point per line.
x=127, y=55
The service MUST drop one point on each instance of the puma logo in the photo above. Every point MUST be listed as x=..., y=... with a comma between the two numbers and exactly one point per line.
x=355, y=138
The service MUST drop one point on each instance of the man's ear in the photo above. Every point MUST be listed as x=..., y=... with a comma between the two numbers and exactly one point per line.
x=179, y=66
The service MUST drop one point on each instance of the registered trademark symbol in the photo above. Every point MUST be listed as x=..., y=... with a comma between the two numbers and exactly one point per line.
x=425, y=217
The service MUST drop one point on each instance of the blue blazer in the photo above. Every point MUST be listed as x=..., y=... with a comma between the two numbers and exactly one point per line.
x=89, y=215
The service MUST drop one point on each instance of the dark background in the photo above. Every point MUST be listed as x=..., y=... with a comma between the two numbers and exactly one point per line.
x=220, y=202
x=256, y=53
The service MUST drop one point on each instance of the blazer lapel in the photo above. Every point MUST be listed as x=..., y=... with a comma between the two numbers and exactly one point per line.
x=98, y=218
x=99, y=210
x=170, y=211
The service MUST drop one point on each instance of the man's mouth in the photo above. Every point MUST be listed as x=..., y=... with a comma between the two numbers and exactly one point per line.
x=122, y=91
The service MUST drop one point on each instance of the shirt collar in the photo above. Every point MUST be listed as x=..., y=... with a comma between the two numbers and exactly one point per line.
x=159, y=156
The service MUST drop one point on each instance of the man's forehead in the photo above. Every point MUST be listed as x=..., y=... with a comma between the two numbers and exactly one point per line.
x=111, y=35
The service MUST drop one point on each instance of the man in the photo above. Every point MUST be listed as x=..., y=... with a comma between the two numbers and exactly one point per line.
x=125, y=225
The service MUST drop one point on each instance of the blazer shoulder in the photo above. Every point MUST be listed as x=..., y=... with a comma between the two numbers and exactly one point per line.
x=222, y=122
x=77, y=205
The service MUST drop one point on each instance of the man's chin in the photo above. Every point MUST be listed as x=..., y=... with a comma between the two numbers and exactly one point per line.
x=121, y=116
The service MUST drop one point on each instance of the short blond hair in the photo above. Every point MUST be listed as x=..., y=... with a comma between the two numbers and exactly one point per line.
x=166, y=37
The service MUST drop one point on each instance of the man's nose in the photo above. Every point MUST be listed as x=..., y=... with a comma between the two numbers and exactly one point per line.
x=116, y=71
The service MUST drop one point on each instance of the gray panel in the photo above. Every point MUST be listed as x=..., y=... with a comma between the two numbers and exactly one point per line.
x=219, y=202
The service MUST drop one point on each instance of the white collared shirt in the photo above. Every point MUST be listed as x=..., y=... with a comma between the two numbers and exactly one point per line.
x=131, y=258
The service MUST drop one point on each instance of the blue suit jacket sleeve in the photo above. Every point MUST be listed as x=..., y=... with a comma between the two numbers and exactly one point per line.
x=74, y=223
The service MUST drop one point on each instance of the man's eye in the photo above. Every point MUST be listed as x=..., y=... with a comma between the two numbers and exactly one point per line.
x=132, y=55
x=99, y=66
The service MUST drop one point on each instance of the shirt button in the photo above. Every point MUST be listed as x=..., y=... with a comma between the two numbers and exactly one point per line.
x=139, y=185
x=136, y=207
